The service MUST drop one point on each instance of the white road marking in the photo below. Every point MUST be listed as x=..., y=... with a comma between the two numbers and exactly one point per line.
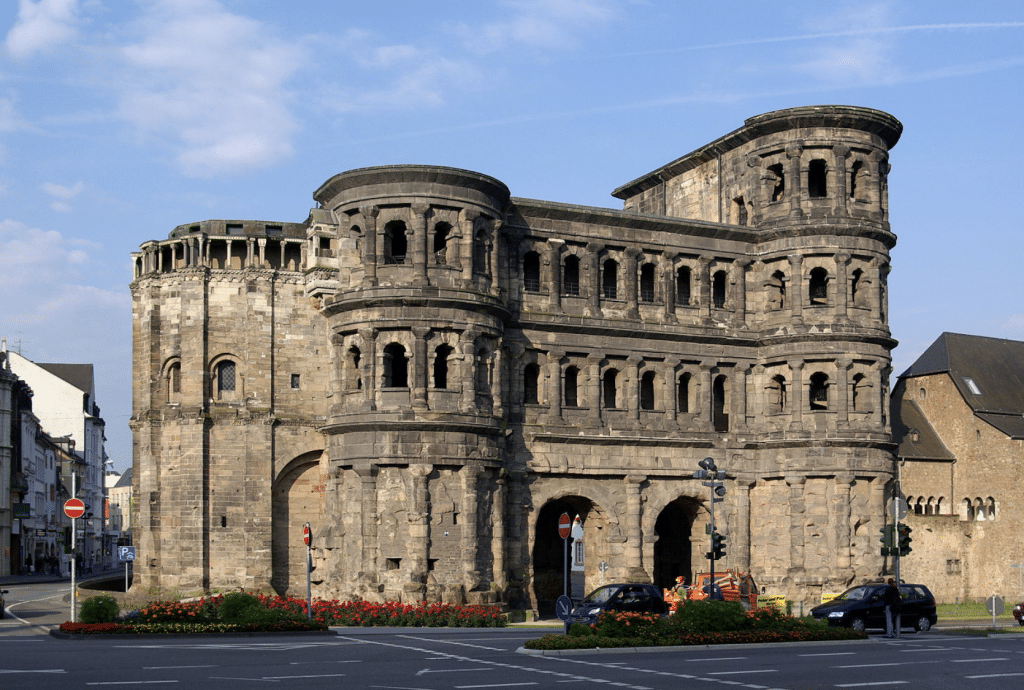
x=33, y=670
x=461, y=644
x=731, y=673
x=863, y=685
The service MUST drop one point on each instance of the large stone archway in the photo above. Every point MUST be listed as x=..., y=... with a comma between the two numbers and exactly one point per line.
x=549, y=549
x=673, y=549
x=296, y=501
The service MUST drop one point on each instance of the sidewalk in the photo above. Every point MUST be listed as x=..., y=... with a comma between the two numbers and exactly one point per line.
x=39, y=578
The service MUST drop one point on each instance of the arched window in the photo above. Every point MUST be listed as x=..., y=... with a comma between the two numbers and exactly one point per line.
x=777, y=291
x=718, y=295
x=173, y=382
x=572, y=375
x=571, y=276
x=647, y=390
x=967, y=510
x=531, y=272
x=683, y=285
x=683, y=393
x=353, y=376
x=609, y=384
x=776, y=177
x=441, y=355
x=442, y=231
x=224, y=374
x=990, y=506
x=861, y=398
x=395, y=243
x=855, y=175
x=396, y=366
x=480, y=263
x=819, y=392
x=610, y=279
x=483, y=371
x=817, y=179
x=979, y=510
x=739, y=211
x=777, y=394
x=720, y=403
x=647, y=283
x=531, y=375
x=818, y=286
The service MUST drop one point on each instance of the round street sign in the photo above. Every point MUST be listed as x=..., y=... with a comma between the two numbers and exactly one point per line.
x=305, y=534
x=74, y=508
x=564, y=526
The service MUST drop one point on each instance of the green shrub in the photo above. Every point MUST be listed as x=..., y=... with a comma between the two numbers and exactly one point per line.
x=234, y=607
x=580, y=630
x=101, y=608
x=706, y=615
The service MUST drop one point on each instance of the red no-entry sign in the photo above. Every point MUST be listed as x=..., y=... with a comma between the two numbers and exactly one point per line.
x=305, y=534
x=74, y=508
x=564, y=526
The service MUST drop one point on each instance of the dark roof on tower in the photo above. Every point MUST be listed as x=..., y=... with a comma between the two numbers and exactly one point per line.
x=988, y=372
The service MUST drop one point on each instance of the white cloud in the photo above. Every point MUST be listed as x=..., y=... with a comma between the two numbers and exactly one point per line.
x=548, y=25
x=61, y=191
x=212, y=84
x=42, y=26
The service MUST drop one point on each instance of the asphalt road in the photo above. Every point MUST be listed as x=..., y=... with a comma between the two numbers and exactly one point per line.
x=441, y=659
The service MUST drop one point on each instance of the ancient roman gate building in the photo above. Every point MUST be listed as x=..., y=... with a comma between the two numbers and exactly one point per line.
x=430, y=371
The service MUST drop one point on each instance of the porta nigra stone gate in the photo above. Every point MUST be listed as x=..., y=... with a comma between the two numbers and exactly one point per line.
x=430, y=371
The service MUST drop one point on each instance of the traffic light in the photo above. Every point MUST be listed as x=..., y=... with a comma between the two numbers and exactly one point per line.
x=888, y=542
x=717, y=546
x=904, y=540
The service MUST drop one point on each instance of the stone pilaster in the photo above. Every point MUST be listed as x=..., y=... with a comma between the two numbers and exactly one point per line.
x=418, y=242
x=369, y=214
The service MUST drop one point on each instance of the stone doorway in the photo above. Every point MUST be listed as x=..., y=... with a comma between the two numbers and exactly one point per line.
x=548, y=550
x=295, y=502
x=673, y=549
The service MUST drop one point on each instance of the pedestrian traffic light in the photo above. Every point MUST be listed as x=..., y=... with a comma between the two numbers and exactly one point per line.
x=717, y=546
x=888, y=542
x=904, y=540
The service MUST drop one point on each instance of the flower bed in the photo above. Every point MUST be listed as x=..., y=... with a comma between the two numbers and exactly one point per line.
x=258, y=612
x=696, y=623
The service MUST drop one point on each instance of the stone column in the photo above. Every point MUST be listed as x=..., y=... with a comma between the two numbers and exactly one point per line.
x=794, y=185
x=739, y=300
x=498, y=570
x=633, y=526
x=797, y=395
x=840, y=519
x=877, y=372
x=668, y=281
x=420, y=366
x=843, y=365
x=741, y=535
x=703, y=394
x=629, y=272
x=467, y=347
x=470, y=475
x=594, y=284
x=515, y=351
x=840, y=152
x=553, y=262
x=419, y=529
x=262, y=244
x=632, y=391
x=370, y=214
x=554, y=387
x=368, y=565
x=797, y=511
x=739, y=397
x=418, y=241
x=594, y=389
x=670, y=369
x=796, y=288
x=842, y=290
x=497, y=387
x=467, y=226
x=494, y=257
x=368, y=363
x=704, y=287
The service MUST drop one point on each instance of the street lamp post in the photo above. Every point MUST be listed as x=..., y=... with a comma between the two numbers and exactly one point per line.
x=712, y=476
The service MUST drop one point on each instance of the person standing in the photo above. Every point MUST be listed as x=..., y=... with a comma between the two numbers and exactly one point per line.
x=891, y=599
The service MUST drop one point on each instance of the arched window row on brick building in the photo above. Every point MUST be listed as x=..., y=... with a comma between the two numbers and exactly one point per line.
x=979, y=509
x=688, y=282
x=928, y=505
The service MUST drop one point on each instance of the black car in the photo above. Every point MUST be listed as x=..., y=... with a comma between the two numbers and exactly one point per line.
x=863, y=607
x=630, y=598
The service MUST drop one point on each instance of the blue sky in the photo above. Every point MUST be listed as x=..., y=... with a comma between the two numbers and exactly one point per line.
x=120, y=119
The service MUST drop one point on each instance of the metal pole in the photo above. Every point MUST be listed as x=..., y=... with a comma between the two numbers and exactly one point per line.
x=711, y=550
x=309, y=589
x=74, y=546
